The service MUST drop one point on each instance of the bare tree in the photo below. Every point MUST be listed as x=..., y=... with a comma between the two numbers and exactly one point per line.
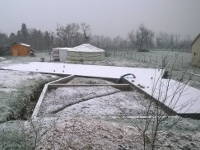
x=132, y=39
x=86, y=32
x=144, y=38
x=73, y=34
x=69, y=35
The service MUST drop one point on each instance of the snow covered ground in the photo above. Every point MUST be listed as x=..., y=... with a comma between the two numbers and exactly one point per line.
x=97, y=101
x=142, y=74
x=16, y=90
x=175, y=95
x=80, y=132
x=178, y=96
x=90, y=101
x=2, y=59
x=87, y=132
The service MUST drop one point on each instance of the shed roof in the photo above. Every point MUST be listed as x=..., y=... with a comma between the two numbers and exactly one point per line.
x=23, y=44
x=197, y=37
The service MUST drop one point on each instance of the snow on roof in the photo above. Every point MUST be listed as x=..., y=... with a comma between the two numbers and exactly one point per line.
x=81, y=48
x=86, y=48
x=61, y=48
x=23, y=44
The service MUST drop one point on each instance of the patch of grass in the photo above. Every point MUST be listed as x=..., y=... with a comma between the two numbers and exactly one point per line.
x=18, y=101
x=13, y=136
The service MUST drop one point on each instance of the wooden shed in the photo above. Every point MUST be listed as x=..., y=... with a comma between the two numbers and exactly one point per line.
x=196, y=51
x=20, y=49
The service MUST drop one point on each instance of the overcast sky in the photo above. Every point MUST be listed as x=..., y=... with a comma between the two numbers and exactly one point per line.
x=106, y=17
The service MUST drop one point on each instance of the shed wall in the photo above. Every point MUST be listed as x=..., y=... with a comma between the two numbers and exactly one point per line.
x=20, y=50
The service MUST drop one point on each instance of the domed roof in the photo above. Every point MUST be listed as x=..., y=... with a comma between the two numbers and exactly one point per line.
x=85, y=48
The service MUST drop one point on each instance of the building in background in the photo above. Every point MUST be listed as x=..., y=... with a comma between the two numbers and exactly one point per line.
x=196, y=51
x=59, y=54
x=84, y=52
x=20, y=49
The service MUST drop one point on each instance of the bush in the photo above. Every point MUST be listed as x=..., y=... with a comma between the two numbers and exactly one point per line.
x=107, y=54
x=143, y=50
x=4, y=51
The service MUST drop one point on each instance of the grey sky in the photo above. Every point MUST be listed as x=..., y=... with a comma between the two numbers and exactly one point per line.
x=106, y=17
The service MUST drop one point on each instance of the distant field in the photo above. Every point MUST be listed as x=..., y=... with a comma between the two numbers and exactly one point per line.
x=155, y=58
x=180, y=60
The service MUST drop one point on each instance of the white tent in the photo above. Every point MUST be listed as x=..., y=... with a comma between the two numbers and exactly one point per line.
x=84, y=52
x=59, y=54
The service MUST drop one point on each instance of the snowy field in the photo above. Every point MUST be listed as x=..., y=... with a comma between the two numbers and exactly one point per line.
x=91, y=101
x=108, y=135
x=17, y=89
x=180, y=60
x=178, y=96
x=113, y=72
x=2, y=59
x=143, y=81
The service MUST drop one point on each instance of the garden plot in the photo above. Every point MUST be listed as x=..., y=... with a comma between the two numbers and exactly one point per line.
x=114, y=105
x=17, y=89
x=80, y=80
x=89, y=101
x=185, y=101
x=96, y=99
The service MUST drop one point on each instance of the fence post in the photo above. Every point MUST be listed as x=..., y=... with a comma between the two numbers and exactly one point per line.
x=182, y=61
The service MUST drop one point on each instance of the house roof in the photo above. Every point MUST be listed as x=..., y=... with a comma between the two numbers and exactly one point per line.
x=198, y=36
x=23, y=44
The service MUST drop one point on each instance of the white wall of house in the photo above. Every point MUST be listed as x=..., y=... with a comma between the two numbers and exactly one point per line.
x=196, y=52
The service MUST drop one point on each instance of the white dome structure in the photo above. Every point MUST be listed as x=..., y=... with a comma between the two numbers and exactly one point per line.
x=85, y=52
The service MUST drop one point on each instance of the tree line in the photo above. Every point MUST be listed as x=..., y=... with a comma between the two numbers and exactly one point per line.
x=74, y=34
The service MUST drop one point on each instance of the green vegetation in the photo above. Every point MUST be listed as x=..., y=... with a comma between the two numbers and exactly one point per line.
x=19, y=93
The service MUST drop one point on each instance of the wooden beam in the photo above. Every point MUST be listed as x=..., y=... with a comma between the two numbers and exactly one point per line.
x=118, y=86
x=62, y=80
